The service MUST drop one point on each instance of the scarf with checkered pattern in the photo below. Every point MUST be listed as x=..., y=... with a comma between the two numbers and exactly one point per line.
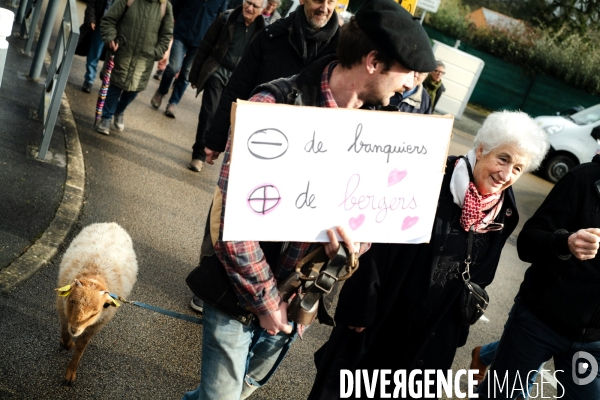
x=479, y=210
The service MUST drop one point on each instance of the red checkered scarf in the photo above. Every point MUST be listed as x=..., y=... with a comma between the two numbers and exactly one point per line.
x=477, y=210
x=480, y=210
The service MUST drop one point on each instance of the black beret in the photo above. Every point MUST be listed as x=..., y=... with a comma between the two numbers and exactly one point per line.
x=397, y=33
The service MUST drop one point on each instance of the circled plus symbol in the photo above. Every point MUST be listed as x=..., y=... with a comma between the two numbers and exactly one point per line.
x=264, y=199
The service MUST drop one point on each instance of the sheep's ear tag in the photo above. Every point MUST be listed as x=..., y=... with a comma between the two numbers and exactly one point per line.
x=64, y=291
x=114, y=299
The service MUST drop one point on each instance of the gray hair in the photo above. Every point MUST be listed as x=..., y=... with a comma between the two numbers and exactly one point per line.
x=265, y=2
x=514, y=127
x=440, y=63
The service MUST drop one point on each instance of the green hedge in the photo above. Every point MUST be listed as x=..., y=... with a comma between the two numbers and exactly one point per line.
x=506, y=86
x=572, y=59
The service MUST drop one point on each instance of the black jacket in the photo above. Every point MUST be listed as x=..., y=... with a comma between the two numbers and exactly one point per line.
x=94, y=12
x=558, y=288
x=215, y=45
x=194, y=17
x=438, y=94
x=269, y=56
x=389, y=288
x=303, y=89
x=418, y=103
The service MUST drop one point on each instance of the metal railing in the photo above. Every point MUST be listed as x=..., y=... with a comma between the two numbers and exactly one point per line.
x=58, y=73
x=30, y=22
x=21, y=10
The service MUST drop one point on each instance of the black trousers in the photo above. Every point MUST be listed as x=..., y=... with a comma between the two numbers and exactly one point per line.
x=210, y=100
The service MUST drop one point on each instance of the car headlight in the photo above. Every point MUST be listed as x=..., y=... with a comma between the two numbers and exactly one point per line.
x=552, y=129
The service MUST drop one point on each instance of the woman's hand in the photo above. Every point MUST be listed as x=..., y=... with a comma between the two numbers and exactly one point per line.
x=333, y=246
x=357, y=328
x=93, y=26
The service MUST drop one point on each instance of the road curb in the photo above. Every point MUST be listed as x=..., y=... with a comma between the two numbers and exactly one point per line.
x=46, y=247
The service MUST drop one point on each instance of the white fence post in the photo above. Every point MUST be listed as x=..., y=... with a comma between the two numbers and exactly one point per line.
x=6, y=22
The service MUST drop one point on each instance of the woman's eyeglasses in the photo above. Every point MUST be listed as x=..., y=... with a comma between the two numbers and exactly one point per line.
x=439, y=72
x=249, y=3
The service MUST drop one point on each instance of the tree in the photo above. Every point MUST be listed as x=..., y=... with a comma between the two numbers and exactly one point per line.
x=568, y=16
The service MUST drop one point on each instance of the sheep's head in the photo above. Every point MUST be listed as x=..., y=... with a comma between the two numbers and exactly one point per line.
x=85, y=301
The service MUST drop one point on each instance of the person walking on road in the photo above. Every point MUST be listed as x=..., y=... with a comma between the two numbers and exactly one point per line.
x=415, y=100
x=147, y=26
x=218, y=55
x=556, y=313
x=375, y=60
x=192, y=20
x=93, y=13
x=281, y=50
x=433, y=84
x=270, y=13
x=420, y=287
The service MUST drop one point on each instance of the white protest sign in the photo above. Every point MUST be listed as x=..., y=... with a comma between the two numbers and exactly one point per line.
x=297, y=171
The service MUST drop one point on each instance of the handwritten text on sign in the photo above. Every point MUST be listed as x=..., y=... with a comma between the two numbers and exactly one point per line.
x=297, y=171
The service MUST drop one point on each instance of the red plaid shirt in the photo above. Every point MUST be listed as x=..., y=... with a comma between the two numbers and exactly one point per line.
x=254, y=281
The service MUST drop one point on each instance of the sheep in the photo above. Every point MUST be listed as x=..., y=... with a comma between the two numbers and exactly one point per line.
x=100, y=261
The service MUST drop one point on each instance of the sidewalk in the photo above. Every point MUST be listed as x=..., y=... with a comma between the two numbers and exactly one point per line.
x=39, y=200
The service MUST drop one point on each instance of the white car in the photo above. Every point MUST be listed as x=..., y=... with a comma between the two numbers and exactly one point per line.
x=574, y=139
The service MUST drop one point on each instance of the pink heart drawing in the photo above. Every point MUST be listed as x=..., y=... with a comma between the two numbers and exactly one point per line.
x=355, y=223
x=396, y=176
x=409, y=222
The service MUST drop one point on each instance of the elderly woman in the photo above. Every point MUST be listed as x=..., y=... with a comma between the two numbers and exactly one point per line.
x=400, y=310
x=433, y=84
x=270, y=13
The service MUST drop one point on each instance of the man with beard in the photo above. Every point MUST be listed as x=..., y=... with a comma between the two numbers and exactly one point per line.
x=377, y=54
x=282, y=49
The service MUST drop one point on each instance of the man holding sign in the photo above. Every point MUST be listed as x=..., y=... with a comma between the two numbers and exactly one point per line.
x=377, y=54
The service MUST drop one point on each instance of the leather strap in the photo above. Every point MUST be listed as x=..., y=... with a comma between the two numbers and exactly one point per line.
x=319, y=253
x=466, y=275
x=328, y=276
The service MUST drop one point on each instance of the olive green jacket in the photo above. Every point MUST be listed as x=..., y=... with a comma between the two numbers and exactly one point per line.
x=147, y=34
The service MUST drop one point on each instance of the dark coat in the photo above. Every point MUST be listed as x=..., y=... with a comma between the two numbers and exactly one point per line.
x=94, y=11
x=417, y=103
x=558, y=288
x=193, y=18
x=303, y=89
x=438, y=94
x=269, y=56
x=148, y=33
x=215, y=45
x=389, y=289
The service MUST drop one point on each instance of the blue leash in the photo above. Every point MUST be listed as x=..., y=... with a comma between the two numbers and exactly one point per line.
x=173, y=314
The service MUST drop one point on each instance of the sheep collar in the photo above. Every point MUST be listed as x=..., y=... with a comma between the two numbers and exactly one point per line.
x=66, y=290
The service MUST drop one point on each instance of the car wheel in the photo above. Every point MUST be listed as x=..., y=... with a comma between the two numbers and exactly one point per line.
x=557, y=166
